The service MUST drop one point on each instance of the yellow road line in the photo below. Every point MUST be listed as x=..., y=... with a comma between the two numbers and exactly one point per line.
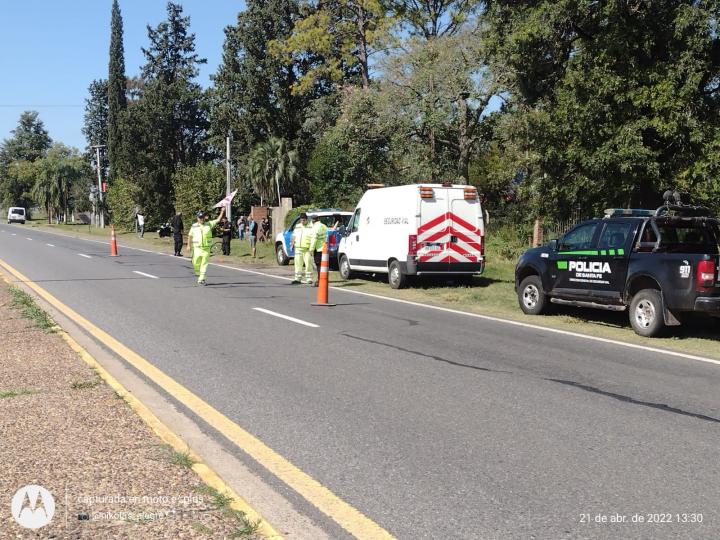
x=348, y=517
x=206, y=474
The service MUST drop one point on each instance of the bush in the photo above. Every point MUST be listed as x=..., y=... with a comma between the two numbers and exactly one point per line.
x=198, y=187
x=122, y=199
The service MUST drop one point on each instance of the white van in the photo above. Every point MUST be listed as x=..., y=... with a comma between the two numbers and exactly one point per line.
x=414, y=230
x=16, y=214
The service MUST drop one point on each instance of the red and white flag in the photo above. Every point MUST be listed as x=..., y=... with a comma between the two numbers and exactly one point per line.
x=226, y=201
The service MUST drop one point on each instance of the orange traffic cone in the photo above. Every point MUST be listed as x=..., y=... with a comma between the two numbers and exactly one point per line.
x=113, y=242
x=324, y=281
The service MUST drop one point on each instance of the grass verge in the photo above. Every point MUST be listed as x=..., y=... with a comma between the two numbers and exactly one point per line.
x=15, y=393
x=30, y=310
x=220, y=501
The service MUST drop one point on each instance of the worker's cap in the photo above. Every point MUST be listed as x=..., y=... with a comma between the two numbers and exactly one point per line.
x=200, y=214
x=314, y=216
x=303, y=216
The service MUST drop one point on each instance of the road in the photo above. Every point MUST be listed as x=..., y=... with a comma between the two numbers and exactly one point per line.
x=432, y=424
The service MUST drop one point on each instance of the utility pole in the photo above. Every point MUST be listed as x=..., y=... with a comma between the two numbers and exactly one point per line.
x=228, y=187
x=100, y=191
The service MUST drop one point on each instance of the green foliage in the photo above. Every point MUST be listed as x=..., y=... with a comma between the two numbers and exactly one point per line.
x=95, y=126
x=165, y=129
x=123, y=198
x=29, y=142
x=617, y=100
x=344, y=33
x=272, y=167
x=198, y=187
x=116, y=93
x=295, y=212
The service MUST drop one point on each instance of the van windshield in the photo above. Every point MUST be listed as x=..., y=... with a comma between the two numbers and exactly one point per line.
x=688, y=237
x=20, y=211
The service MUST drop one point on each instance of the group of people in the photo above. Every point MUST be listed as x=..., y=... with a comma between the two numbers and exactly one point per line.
x=307, y=242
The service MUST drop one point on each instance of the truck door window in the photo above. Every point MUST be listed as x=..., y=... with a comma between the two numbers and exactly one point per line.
x=648, y=239
x=579, y=239
x=356, y=220
x=615, y=235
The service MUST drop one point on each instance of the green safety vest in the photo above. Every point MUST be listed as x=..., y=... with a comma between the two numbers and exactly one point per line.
x=301, y=234
x=319, y=235
x=201, y=235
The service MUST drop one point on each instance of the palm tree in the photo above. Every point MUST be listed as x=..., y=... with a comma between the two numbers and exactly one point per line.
x=271, y=164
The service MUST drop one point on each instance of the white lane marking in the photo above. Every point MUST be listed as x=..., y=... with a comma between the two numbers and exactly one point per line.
x=144, y=274
x=28, y=238
x=86, y=256
x=50, y=245
x=286, y=317
x=14, y=234
x=645, y=348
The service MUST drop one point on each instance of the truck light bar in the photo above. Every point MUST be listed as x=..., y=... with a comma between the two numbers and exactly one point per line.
x=631, y=212
x=471, y=193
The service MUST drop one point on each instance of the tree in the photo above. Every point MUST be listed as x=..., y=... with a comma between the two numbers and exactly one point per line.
x=198, y=187
x=345, y=33
x=436, y=18
x=116, y=91
x=56, y=174
x=166, y=128
x=271, y=165
x=95, y=127
x=29, y=142
x=618, y=100
x=252, y=96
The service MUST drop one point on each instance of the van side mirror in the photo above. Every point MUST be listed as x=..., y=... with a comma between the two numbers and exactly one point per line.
x=553, y=244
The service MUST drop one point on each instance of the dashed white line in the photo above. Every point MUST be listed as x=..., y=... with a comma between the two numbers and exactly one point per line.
x=86, y=256
x=144, y=274
x=286, y=317
x=14, y=234
x=28, y=238
x=50, y=245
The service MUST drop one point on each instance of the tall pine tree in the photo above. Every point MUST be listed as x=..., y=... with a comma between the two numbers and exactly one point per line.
x=95, y=127
x=116, y=91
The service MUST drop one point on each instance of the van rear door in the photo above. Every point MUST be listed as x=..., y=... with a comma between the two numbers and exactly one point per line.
x=450, y=233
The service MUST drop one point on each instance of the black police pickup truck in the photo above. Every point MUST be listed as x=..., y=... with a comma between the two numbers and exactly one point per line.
x=658, y=264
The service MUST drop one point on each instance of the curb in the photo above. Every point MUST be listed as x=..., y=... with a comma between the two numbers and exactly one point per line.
x=206, y=474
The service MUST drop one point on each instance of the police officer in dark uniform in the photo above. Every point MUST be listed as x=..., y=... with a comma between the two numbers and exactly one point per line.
x=226, y=233
x=178, y=228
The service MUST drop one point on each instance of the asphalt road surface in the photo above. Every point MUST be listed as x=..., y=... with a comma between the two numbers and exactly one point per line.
x=433, y=424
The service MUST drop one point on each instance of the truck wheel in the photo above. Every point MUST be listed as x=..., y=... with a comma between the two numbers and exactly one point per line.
x=281, y=256
x=531, y=296
x=344, y=267
x=396, y=277
x=646, y=313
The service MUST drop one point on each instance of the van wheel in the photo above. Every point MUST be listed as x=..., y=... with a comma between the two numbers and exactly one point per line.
x=281, y=256
x=646, y=313
x=344, y=268
x=531, y=296
x=396, y=277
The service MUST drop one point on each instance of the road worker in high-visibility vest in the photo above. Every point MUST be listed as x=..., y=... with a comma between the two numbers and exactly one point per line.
x=200, y=240
x=300, y=243
x=317, y=241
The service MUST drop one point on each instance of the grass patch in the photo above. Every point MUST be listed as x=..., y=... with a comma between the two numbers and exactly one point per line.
x=83, y=385
x=15, y=393
x=182, y=459
x=244, y=527
x=30, y=310
x=217, y=500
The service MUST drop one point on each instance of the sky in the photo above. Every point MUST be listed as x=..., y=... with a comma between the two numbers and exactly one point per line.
x=52, y=50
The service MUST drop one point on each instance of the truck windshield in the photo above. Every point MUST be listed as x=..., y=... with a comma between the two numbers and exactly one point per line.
x=688, y=237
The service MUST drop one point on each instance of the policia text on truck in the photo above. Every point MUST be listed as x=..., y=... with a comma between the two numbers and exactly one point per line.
x=656, y=264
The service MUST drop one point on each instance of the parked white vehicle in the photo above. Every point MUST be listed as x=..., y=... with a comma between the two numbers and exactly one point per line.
x=16, y=214
x=415, y=230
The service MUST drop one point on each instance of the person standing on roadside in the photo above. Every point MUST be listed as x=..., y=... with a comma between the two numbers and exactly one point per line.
x=241, y=224
x=300, y=244
x=141, y=224
x=226, y=233
x=178, y=228
x=317, y=241
x=200, y=241
x=252, y=235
